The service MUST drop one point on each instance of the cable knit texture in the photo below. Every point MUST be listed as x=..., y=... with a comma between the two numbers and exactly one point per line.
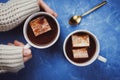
x=11, y=59
x=14, y=12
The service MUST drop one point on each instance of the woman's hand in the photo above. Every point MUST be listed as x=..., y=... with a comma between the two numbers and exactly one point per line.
x=26, y=52
x=46, y=8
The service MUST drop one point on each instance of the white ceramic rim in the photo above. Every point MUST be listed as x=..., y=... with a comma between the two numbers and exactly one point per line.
x=25, y=27
x=92, y=59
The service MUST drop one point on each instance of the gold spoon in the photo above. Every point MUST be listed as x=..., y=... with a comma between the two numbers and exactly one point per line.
x=74, y=20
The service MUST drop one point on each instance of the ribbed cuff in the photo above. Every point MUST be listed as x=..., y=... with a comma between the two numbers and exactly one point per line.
x=11, y=58
x=15, y=12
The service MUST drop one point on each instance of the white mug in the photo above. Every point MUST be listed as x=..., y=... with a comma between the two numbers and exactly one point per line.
x=94, y=57
x=29, y=44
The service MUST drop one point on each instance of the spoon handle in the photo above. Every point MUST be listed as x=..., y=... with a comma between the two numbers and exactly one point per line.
x=94, y=8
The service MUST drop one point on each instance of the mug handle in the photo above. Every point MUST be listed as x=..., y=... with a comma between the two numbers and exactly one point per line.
x=102, y=59
x=27, y=46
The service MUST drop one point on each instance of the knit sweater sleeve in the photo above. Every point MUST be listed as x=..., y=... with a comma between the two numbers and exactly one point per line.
x=11, y=59
x=14, y=12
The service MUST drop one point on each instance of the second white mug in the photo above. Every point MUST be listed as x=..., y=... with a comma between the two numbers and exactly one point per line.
x=93, y=58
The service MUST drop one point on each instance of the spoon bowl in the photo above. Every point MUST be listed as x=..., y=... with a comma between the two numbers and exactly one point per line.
x=74, y=20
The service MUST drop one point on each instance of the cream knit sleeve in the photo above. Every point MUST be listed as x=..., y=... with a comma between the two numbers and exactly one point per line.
x=11, y=58
x=14, y=12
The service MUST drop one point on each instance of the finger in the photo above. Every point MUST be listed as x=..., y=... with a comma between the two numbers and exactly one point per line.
x=18, y=43
x=54, y=14
x=27, y=58
x=27, y=52
x=11, y=44
x=47, y=8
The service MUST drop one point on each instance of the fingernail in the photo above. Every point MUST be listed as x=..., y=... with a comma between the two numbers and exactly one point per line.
x=55, y=14
x=15, y=40
x=27, y=52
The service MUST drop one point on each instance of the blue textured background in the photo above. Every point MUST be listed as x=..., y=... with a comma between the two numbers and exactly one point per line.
x=50, y=64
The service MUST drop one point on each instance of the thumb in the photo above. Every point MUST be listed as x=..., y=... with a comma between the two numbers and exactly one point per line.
x=26, y=52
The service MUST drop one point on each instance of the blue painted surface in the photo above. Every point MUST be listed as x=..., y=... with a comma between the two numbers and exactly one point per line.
x=50, y=64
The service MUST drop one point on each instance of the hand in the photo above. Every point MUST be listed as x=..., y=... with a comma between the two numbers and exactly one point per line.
x=26, y=52
x=45, y=7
